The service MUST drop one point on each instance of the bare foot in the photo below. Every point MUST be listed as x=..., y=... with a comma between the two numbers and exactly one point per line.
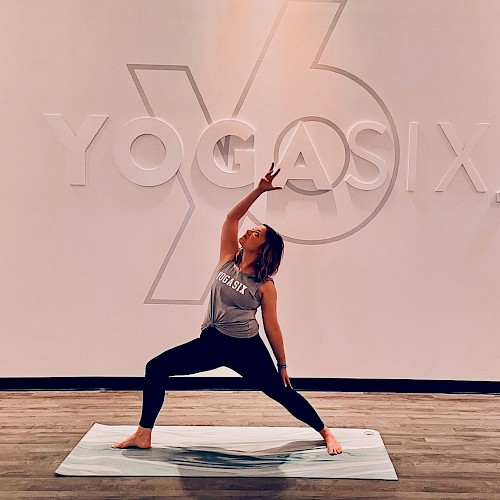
x=332, y=445
x=140, y=439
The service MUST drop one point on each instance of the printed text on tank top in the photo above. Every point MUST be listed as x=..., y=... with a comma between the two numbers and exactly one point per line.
x=231, y=282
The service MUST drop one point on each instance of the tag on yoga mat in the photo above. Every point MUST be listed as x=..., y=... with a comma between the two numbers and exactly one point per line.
x=201, y=451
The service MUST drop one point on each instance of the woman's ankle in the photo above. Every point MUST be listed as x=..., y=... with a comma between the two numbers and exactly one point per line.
x=325, y=431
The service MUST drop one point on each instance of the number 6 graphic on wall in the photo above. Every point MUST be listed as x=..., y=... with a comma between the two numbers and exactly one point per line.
x=264, y=92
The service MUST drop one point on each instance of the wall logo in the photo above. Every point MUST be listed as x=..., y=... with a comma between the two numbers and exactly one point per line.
x=318, y=155
x=322, y=154
x=338, y=168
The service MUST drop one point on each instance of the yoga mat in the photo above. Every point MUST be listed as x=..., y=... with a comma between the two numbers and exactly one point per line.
x=190, y=451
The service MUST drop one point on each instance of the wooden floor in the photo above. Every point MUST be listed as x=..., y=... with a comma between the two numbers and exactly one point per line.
x=442, y=446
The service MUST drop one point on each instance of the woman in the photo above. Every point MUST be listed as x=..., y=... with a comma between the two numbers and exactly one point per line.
x=230, y=332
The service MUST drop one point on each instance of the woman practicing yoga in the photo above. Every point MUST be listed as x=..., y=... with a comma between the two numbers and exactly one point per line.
x=230, y=332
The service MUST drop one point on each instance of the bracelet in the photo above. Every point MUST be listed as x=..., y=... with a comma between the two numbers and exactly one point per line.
x=281, y=366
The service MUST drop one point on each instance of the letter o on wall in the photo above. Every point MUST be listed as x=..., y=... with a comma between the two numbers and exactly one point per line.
x=129, y=168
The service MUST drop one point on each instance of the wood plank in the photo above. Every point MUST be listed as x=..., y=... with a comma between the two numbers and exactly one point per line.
x=442, y=446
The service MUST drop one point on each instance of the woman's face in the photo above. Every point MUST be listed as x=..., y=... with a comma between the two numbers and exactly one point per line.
x=253, y=239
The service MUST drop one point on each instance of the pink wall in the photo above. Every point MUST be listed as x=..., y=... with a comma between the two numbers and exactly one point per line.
x=391, y=272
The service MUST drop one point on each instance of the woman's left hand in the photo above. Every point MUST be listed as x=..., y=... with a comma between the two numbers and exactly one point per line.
x=285, y=378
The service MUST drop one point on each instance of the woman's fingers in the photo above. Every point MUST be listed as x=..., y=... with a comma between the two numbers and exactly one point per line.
x=270, y=171
x=267, y=181
x=271, y=175
x=286, y=379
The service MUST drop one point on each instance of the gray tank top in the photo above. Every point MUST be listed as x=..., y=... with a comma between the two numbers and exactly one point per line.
x=234, y=300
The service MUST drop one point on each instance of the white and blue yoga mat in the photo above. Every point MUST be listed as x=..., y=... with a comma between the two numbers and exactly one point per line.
x=190, y=451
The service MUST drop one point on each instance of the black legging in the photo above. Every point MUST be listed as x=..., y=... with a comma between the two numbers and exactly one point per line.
x=248, y=357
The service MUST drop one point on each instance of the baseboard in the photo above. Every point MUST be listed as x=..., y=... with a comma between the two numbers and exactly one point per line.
x=238, y=384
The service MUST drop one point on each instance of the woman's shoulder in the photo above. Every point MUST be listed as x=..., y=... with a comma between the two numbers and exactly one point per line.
x=267, y=284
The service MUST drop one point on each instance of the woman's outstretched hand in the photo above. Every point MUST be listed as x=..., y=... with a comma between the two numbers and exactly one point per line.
x=266, y=183
x=285, y=378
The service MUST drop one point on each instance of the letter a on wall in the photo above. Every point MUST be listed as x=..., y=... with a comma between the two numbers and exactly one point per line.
x=301, y=144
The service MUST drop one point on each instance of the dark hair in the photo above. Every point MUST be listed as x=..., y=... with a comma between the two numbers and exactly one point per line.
x=271, y=253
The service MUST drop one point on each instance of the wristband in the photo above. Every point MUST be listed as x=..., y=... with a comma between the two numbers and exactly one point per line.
x=281, y=366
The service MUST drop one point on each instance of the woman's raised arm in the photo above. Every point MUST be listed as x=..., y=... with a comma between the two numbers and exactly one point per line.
x=229, y=233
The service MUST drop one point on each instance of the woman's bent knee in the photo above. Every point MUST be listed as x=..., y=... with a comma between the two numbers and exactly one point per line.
x=152, y=368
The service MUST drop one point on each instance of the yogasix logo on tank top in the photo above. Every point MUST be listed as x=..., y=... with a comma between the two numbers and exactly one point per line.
x=231, y=282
